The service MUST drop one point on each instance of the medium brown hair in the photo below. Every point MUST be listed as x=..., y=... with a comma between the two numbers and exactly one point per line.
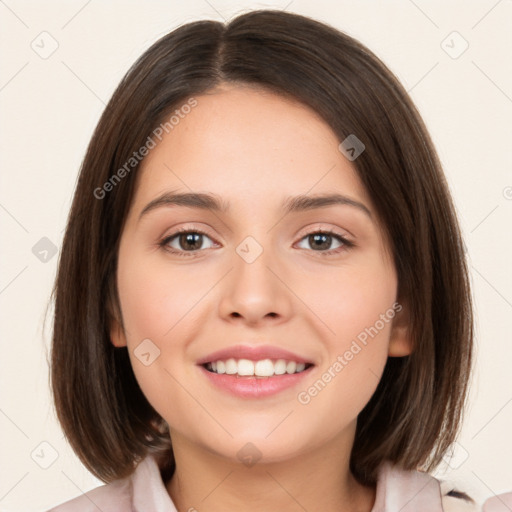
x=416, y=410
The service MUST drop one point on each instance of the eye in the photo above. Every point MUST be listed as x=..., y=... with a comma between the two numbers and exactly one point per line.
x=189, y=242
x=321, y=240
x=185, y=241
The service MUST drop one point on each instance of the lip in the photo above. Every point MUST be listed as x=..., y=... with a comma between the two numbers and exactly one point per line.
x=253, y=354
x=252, y=386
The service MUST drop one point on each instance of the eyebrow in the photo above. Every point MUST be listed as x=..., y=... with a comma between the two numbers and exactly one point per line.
x=208, y=201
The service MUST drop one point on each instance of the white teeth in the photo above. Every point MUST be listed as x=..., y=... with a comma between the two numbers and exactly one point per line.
x=291, y=367
x=262, y=368
x=231, y=367
x=280, y=367
x=245, y=367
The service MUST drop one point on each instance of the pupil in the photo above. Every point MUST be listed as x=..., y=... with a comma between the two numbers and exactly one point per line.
x=192, y=239
x=322, y=239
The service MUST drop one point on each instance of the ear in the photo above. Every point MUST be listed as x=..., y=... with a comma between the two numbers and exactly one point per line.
x=400, y=342
x=117, y=336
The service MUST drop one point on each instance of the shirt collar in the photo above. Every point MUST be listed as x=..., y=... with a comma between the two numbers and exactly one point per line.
x=149, y=492
x=406, y=491
x=397, y=490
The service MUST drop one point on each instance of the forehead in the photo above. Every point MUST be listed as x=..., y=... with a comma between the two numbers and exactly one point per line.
x=248, y=145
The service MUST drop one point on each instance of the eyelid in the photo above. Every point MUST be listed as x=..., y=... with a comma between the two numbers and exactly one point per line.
x=324, y=228
x=185, y=229
x=311, y=228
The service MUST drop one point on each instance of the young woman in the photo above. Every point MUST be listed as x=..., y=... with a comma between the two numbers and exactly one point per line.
x=262, y=301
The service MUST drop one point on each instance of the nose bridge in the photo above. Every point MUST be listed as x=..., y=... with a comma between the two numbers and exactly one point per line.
x=253, y=290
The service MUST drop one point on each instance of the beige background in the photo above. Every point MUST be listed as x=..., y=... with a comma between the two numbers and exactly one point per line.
x=51, y=103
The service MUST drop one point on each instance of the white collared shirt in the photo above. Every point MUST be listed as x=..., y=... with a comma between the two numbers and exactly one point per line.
x=397, y=491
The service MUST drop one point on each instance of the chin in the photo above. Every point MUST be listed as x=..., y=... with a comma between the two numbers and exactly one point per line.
x=250, y=447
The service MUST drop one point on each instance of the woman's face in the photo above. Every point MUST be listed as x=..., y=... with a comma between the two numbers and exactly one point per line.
x=258, y=279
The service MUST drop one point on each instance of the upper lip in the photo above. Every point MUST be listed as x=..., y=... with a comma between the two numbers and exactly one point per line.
x=253, y=354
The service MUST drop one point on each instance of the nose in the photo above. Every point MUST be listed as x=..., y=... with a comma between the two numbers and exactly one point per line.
x=256, y=292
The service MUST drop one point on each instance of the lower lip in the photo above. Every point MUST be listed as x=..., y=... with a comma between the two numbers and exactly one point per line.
x=254, y=387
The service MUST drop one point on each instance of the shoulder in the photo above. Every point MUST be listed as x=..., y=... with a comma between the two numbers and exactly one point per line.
x=416, y=491
x=455, y=498
x=458, y=499
x=144, y=490
x=113, y=497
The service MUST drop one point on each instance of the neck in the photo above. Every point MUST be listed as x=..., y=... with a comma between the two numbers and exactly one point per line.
x=316, y=480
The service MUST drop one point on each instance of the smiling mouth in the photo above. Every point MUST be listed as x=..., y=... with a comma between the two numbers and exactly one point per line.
x=263, y=368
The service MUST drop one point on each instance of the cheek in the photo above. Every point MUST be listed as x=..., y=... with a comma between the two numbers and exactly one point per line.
x=156, y=297
x=160, y=313
x=352, y=298
x=356, y=305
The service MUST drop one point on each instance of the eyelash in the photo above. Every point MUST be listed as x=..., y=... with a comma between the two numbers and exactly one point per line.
x=191, y=254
